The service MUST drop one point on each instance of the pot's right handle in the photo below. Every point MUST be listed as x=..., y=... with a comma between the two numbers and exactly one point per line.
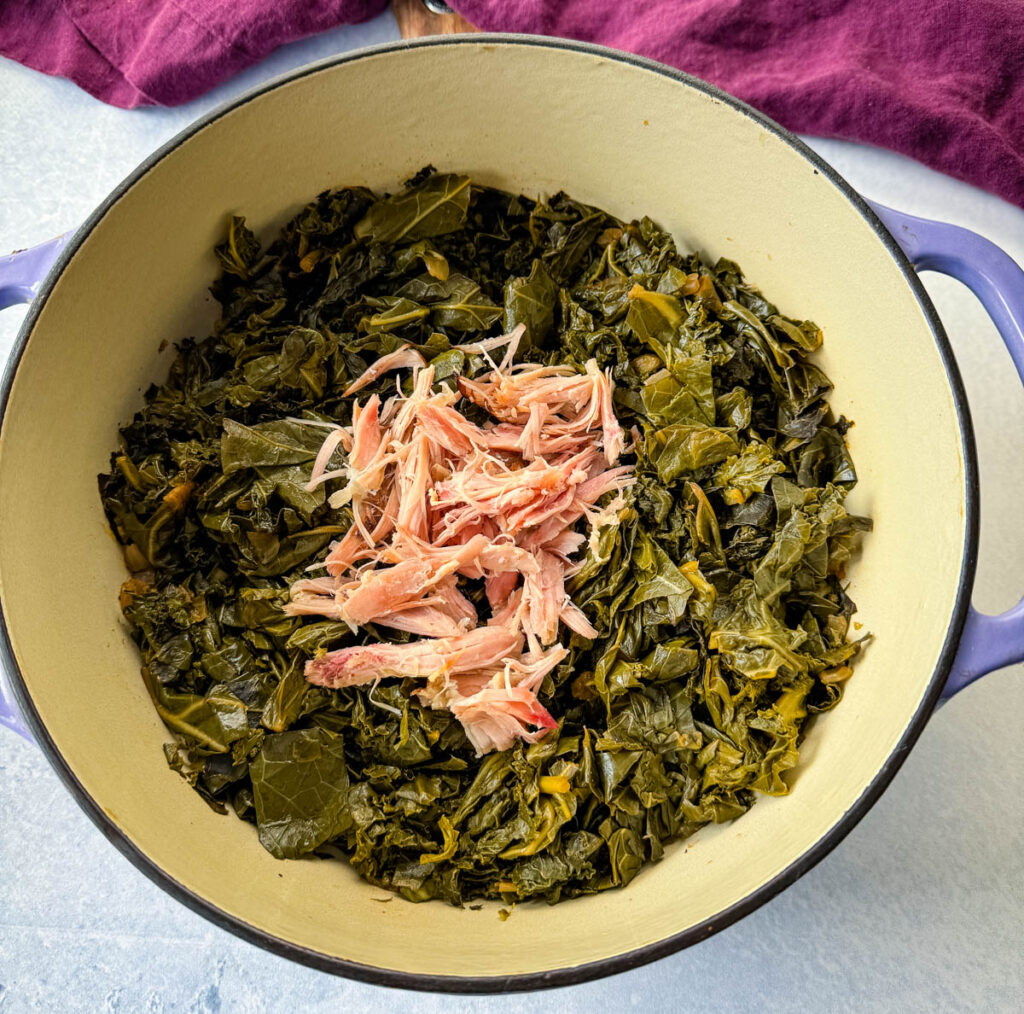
x=988, y=642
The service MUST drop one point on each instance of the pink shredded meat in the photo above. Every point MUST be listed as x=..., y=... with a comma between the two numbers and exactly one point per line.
x=365, y=663
x=435, y=497
x=400, y=359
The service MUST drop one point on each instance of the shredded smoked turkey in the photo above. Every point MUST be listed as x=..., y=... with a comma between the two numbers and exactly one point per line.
x=436, y=498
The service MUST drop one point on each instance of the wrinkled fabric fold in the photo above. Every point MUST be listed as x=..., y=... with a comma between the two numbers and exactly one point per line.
x=132, y=53
x=939, y=80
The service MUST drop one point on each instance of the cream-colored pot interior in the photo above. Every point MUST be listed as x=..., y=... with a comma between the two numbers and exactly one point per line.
x=529, y=117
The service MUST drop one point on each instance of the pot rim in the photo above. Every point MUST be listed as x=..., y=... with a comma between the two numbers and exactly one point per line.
x=685, y=938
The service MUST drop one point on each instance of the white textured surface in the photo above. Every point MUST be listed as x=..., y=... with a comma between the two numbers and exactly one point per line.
x=920, y=908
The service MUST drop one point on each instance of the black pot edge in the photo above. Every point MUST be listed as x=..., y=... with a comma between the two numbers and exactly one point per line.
x=642, y=955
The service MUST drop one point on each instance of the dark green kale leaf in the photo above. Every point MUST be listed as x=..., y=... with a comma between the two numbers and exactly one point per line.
x=300, y=789
x=531, y=300
x=437, y=205
x=267, y=444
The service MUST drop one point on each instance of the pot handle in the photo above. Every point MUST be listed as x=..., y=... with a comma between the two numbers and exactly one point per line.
x=987, y=642
x=22, y=272
x=10, y=717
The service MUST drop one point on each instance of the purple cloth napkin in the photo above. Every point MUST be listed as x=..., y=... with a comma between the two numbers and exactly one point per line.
x=161, y=52
x=939, y=80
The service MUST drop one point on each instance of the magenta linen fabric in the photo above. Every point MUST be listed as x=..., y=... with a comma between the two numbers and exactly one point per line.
x=939, y=80
x=161, y=52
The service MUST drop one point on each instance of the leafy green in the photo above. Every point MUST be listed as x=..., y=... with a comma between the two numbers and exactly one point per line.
x=436, y=206
x=684, y=395
x=684, y=448
x=657, y=578
x=464, y=307
x=718, y=592
x=300, y=789
x=531, y=300
x=748, y=472
x=212, y=721
x=266, y=444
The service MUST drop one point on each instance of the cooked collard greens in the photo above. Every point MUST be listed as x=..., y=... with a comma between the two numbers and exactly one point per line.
x=653, y=607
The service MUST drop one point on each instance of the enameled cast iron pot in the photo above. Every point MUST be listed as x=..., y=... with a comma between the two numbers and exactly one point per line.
x=535, y=115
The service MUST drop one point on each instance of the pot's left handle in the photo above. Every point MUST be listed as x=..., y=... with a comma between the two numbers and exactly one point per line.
x=21, y=274
x=988, y=642
x=10, y=717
